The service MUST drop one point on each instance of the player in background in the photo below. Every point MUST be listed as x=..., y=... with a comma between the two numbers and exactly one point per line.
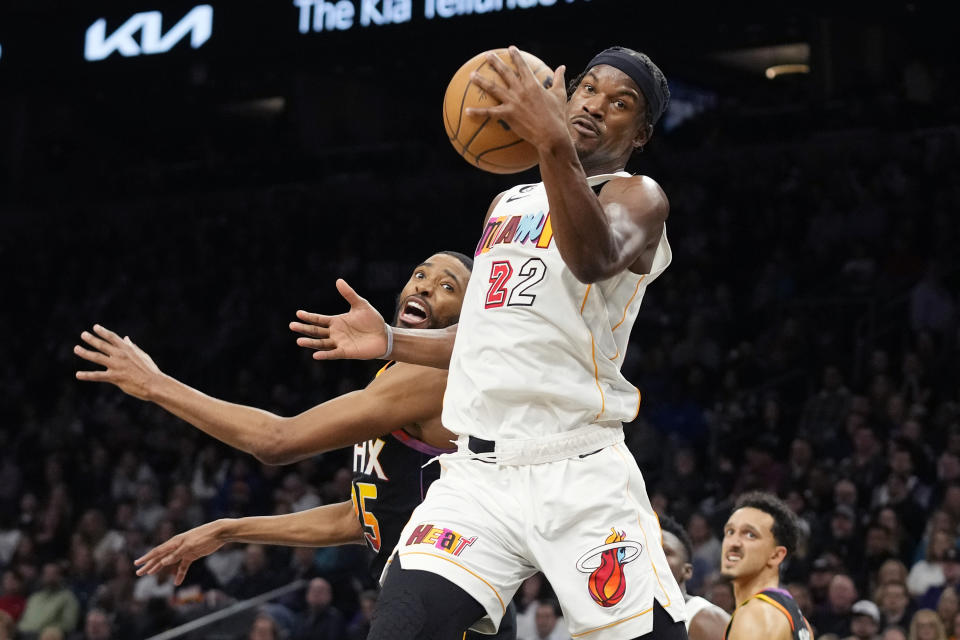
x=705, y=620
x=396, y=418
x=760, y=534
x=398, y=414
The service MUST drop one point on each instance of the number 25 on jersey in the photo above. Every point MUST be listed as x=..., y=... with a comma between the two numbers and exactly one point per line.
x=514, y=291
x=360, y=493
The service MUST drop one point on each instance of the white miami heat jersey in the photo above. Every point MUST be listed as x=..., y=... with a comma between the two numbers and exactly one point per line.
x=695, y=605
x=538, y=352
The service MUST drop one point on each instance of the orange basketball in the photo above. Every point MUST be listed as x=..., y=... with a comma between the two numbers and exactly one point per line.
x=482, y=141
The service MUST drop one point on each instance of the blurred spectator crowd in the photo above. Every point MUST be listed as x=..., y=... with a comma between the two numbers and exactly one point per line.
x=804, y=341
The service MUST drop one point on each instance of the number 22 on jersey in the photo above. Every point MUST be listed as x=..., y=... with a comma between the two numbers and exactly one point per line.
x=513, y=290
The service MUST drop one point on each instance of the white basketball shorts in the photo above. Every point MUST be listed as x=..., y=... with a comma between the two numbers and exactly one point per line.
x=585, y=522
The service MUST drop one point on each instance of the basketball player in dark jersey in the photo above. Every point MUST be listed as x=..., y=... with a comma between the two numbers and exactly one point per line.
x=389, y=481
x=396, y=418
x=758, y=536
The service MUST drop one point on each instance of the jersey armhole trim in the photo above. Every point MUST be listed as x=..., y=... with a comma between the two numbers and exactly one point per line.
x=783, y=610
x=629, y=302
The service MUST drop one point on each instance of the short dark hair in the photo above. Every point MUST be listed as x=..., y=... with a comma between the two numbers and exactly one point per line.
x=464, y=259
x=644, y=60
x=670, y=525
x=786, y=525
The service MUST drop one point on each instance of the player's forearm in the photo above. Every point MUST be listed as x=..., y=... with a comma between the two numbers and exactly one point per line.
x=326, y=526
x=244, y=428
x=581, y=229
x=426, y=347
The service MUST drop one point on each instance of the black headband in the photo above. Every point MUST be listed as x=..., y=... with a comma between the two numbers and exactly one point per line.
x=640, y=74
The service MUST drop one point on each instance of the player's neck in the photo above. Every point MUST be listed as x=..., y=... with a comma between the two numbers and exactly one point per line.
x=599, y=170
x=748, y=586
x=600, y=164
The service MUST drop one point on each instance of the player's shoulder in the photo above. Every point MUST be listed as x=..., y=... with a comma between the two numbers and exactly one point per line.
x=757, y=610
x=408, y=382
x=639, y=192
x=709, y=610
x=755, y=615
x=413, y=374
x=708, y=621
x=636, y=181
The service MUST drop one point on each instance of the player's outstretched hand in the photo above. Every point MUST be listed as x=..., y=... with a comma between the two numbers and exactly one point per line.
x=181, y=550
x=535, y=113
x=358, y=334
x=126, y=365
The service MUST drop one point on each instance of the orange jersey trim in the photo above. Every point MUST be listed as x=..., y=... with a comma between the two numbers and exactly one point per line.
x=652, y=566
x=783, y=610
x=612, y=624
x=629, y=302
x=596, y=375
x=644, y=531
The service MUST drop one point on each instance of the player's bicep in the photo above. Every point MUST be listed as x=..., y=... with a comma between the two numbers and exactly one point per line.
x=636, y=209
x=338, y=524
x=337, y=423
x=755, y=618
x=709, y=623
x=744, y=626
x=408, y=393
x=401, y=395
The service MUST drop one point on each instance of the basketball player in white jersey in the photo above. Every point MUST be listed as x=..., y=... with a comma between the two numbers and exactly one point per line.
x=705, y=620
x=542, y=479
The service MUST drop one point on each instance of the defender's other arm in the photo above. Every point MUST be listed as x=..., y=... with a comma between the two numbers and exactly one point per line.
x=329, y=525
x=401, y=396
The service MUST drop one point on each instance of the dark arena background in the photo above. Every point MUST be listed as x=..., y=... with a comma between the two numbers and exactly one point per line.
x=191, y=174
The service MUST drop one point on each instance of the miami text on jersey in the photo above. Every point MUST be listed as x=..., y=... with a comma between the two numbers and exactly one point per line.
x=534, y=228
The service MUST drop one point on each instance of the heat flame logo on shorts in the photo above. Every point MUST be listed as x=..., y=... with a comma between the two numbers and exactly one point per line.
x=607, y=583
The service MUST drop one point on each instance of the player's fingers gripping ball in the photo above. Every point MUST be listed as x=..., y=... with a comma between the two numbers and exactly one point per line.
x=486, y=142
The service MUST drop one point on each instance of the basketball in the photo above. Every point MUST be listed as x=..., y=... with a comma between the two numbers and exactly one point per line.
x=482, y=141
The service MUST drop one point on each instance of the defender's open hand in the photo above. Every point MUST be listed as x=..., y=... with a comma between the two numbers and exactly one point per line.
x=181, y=550
x=359, y=334
x=126, y=365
